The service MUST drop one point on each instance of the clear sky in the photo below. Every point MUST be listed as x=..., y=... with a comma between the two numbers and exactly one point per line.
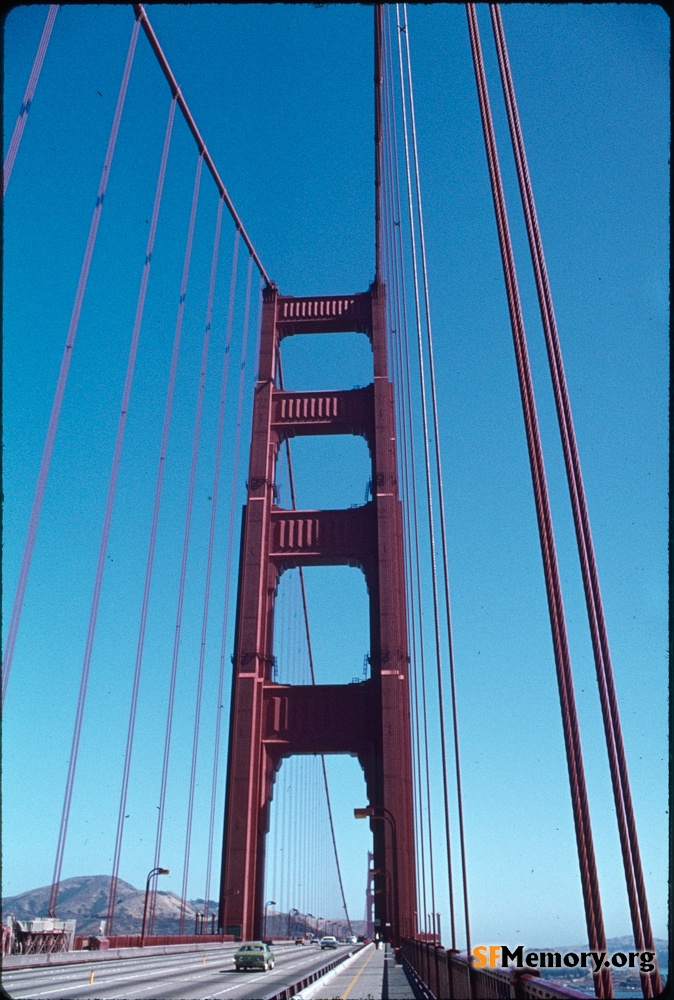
x=282, y=95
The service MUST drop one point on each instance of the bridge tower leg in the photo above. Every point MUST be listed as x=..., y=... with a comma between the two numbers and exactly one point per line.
x=371, y=720
x=368, y=929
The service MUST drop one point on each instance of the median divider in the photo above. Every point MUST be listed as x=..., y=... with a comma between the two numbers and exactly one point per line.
x=297, y=990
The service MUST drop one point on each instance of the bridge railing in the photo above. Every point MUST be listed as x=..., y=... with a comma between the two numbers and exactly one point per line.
x=445, y=973
x=94, y=943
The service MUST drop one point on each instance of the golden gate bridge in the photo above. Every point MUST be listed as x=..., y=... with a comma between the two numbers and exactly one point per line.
x=401, y=717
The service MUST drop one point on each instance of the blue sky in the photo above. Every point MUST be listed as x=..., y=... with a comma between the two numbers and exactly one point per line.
x=283, y=97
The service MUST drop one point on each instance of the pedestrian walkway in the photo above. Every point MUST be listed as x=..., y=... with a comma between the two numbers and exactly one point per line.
x=372, y=975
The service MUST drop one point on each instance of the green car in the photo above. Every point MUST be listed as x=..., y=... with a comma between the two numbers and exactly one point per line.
x=254, y=955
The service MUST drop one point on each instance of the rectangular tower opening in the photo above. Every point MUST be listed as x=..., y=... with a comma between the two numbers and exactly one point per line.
x=300, y=871
x=329, y=472
x=339, y=624
x=316, y=361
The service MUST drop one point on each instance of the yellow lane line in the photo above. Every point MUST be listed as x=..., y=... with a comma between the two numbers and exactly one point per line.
x=357, y=976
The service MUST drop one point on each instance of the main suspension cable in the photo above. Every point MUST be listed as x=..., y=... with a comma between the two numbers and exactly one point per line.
x=191, y=124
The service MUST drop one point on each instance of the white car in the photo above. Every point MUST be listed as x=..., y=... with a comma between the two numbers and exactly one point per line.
x=329, y=941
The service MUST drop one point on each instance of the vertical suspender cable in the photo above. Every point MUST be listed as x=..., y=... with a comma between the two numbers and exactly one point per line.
x=378, y=76
x=396, y=336
x=56, y=410
x=132, y=355
x=245, y=337
x=305, y=843
x=588, y=872
x=412, y=515
x=22, y=118
x=285, y=850
x=232, y=511
x=643, y=936
x=44, y=469
x=429, y=500
x=274, y=884
x=311, y=667
x=209, y=558
x=441, y=503
x=216, y=482
x=395, y=323
x=153, y=532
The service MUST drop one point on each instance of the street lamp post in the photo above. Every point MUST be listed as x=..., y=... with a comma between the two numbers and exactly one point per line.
x=155, y=871
x=271, y=902
x=387, y=875
x=305, y=922
x=381, y=812
x=388, y=882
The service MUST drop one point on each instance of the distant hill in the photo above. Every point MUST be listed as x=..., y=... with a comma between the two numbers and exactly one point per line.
x=85, y=899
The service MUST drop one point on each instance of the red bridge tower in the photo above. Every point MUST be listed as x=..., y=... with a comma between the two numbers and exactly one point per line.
x=370, y=720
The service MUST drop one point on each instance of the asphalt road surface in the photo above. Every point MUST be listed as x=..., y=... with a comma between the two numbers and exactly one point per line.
x=187, y=976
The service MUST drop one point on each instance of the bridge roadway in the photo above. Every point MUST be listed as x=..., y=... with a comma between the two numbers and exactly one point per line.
x=370, y=975
x=203, y=975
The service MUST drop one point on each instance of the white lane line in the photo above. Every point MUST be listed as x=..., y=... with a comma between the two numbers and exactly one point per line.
x=104, y=982
x=185, y=979
x=19, y=973
x=283, y=969
x=236, y=986
x=128, y=978
x=286, y=968
x=26, y=980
